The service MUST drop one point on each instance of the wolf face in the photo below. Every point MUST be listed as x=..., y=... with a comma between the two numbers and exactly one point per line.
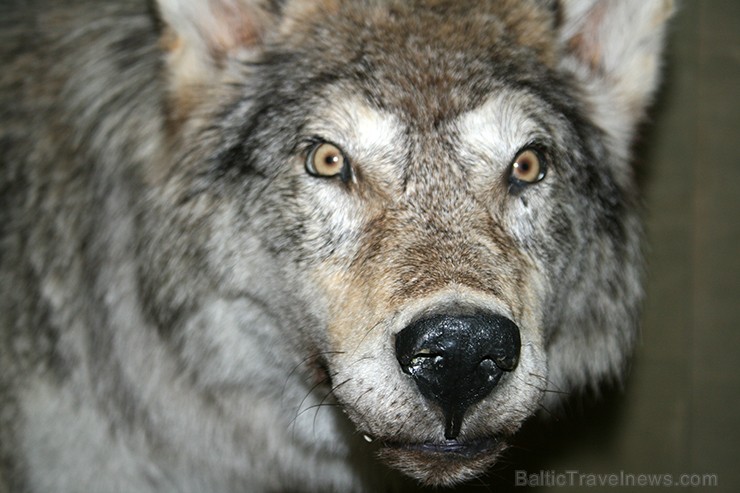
x=300, y=224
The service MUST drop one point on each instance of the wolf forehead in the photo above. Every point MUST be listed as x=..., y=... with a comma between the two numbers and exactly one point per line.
x=429, y=60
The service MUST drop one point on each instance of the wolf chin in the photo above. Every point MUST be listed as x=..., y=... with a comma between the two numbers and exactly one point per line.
x=265, y=245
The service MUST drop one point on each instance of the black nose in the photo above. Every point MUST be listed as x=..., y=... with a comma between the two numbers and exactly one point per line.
x=457, y=360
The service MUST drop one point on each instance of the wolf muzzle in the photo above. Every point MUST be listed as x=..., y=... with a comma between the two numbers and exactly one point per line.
x=456, y=361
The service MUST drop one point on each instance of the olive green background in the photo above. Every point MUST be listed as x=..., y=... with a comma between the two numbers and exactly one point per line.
x=680, y=410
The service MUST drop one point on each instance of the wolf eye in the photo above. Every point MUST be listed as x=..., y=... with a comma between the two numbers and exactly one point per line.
x=527, y=167
x=327, y=160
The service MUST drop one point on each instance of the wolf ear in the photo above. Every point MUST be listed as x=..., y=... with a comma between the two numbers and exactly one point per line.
x=199, y=35
x=614, y=48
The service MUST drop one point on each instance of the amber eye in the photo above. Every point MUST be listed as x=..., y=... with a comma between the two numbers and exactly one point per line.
x=327, y=160
x=527, y=167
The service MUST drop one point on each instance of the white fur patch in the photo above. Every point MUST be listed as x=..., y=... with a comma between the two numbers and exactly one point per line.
x=373, y=142
x=496, y=130
x=372, y=139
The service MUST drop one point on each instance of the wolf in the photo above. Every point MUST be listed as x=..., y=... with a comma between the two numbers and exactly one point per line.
x=310, y=245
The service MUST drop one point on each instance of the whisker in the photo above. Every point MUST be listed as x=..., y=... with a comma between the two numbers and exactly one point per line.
x=367, y=333
x=320, y=404
x=549, y=386
x=363, y=395
x=303, y=362
x=299, y=412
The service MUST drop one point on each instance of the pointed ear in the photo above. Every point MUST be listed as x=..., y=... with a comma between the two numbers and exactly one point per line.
x=614, y=48
x=199, y=35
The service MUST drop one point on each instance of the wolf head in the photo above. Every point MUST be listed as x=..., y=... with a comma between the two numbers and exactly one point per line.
x=424, y=209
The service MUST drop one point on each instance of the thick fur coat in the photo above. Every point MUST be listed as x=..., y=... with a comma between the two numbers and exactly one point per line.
x=218, y=216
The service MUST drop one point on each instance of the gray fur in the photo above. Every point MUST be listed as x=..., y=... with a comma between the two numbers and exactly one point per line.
x=184, y=308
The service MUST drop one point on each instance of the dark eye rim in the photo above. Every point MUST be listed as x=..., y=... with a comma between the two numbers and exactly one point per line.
x=516, y=184
x=312, y=145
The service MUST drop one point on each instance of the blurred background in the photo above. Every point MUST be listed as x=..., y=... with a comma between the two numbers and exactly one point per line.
x=680, y=410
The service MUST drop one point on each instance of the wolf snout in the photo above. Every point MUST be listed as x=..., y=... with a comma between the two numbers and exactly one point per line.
x=457, y=361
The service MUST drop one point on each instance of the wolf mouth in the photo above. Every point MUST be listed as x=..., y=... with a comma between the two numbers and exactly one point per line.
x=458, y=449
x=443, y=463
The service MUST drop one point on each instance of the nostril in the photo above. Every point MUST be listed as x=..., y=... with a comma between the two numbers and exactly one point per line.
x=424, y=359
x=507, y=361
x=456, y=361
x=420, y=363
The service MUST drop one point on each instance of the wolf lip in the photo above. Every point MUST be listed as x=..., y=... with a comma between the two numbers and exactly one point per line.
x=443, y=463
x=461, y=449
